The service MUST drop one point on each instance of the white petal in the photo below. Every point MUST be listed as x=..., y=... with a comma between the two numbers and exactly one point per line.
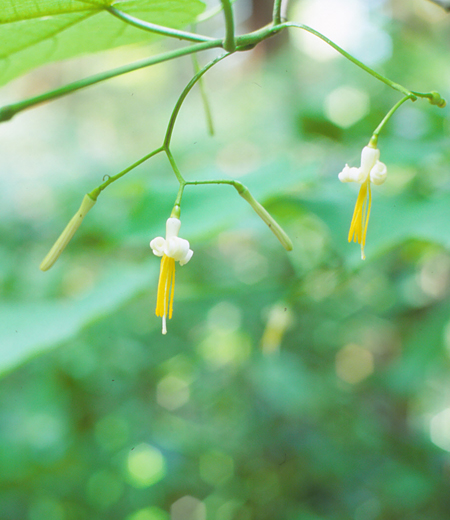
x=157, y=244
x=172, y=227
x=369, y=156
x=176, y=248
x=378, y=173
x=360, y=175
x=187, y=257
x=348, y=174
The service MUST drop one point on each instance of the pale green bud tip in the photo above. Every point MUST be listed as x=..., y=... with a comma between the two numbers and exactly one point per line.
x=176, y=211
x=66, y=236
x=436, y=99
x=373, y=143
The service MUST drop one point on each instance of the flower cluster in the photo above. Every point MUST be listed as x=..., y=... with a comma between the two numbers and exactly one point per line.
x=371, y=170
x=171, y=249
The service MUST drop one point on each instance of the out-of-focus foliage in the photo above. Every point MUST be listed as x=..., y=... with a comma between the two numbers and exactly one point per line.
x=35, y=33
x=303, y=386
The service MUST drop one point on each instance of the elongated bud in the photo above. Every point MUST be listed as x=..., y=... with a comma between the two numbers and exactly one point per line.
x=66, y=236
x=276, y=229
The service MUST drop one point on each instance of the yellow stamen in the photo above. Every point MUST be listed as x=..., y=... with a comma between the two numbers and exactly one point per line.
x=361, y=214
x=166, y=287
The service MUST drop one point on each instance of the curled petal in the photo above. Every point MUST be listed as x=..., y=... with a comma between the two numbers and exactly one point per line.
x=187, y=257
x=378, y=173
x=349, y=174
x=157, y=244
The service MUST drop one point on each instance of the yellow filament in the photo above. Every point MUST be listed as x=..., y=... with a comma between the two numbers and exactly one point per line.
x=361, y=214
x=166, y=287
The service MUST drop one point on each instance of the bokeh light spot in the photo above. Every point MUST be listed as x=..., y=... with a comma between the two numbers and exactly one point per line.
x=440, y=429
x=346, y=105
x=188, y=508
x=224, y=315
x=172, y=392
x=354, y=363
x=221, y=348
x=145, y=465
x=149, y=513
x=279, y=318
x=435, y=276
x=348, y=23
x=340, y=20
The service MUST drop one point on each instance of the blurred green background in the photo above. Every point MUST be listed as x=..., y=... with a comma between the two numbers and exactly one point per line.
x=303, y=386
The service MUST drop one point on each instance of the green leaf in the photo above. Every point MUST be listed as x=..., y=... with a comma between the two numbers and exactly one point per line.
x=393, y=220
x=28, y=329
x=34, y=33
x=421, y=349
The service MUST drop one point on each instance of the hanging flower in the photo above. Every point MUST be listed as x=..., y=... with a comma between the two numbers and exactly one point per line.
x=371, y=170
x=171, y=249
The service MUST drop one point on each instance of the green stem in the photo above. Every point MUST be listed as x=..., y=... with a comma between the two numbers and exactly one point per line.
x=243, y=191
x=166, y=144
x=220, y=181
x=374, y=139
x=157, y=29
x=433, y=97
x=229, y=43
x=210, y=13
x=9, y=111
x=96, y=192
x=177, y=202
x=361, y=65
x=206, y=107
x=277, y=12
x=248, y=41
x=175, y=168
x=183, y=95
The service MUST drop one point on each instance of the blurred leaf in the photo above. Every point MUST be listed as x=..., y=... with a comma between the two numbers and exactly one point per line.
x=34, y=33
x=393, y=220
x=283, y=383
x=31, y=328
x=421, y=350
x=28, y=329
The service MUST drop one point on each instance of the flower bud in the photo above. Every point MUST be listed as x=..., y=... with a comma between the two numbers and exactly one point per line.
x=436, y=99
x=66, y=236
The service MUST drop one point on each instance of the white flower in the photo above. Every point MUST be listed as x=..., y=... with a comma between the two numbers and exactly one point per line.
x=370, y=167
x=171, y=249
x=371, y=170
x=172, y=246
